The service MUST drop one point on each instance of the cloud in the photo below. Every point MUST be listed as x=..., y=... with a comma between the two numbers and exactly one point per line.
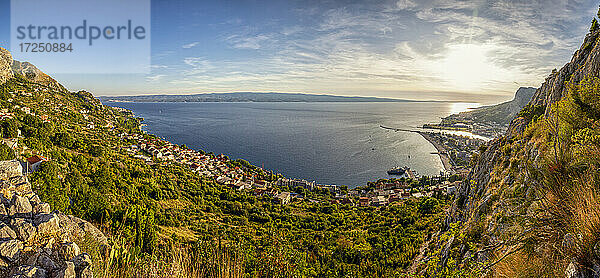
x=154, y=78
x=405, y=4
x=190, y=45
x=250, y=42
x=481, y=48
x=159, y=66
x=199, y=65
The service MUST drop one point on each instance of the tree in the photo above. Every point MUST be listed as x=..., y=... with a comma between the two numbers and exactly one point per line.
x=6, y=153
x=594, y=25
x=10, y=128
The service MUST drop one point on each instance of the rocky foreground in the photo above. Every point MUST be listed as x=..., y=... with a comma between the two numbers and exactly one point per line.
x=36, y=241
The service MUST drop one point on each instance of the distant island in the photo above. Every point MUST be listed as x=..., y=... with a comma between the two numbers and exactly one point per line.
x=247, y=97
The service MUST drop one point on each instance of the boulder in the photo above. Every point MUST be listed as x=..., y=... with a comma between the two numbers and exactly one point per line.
x=3, y=212
x=68, y=251
x=11, y=249
x=46, y=263
x=67, y=272
x=47, y=223
x=6, y=233
x=20, y=207
x=10, y=168
x=41, y=208
x=35, y=200
x=83, y=266
x=4, y=200
x=31, y=272
x=25, y=230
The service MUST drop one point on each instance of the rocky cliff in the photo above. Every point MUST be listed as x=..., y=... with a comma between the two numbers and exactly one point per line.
x=6, y=60
x=585, y=63
x=10, y=67
x=501, y=113
x=498, y=208
x=36, y=241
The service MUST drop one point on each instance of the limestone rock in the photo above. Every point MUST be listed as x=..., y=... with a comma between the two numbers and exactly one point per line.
x=46, y=223
x=41, y=208
x=31, y=272
x=68, y=251
x=46, y=263
x=25, y=230
x=32, y=73
x=3, y=212
x=35, y=200
x=5, y=65
x=67, y=272
x=6, y=233
x=10, y=168
x=83, y=266
x=11, y=249
x=20, y=207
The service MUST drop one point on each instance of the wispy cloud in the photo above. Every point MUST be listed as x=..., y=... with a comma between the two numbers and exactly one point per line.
x=190, y=45
x=444, y=46
x=154, y=78
x=248, y=42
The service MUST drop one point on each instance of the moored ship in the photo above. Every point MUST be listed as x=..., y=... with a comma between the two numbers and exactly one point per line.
x=397, y=171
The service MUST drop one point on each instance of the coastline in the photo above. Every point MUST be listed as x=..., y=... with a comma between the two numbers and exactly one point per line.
x=441, y=151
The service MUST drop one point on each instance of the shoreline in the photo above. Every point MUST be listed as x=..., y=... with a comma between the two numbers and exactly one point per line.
x=441, y=151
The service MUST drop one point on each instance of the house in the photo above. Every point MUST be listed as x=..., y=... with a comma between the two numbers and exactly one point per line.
x=363, y=201
x=394, y=198
x=379, y=201
x=34, y=162
x=283, y=198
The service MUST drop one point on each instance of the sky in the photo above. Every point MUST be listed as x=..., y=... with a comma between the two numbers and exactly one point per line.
x=476, y=51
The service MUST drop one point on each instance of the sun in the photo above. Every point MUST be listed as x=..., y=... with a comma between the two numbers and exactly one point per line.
x=468, y=67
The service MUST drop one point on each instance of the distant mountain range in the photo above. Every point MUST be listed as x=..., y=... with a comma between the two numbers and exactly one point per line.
x=247, y=97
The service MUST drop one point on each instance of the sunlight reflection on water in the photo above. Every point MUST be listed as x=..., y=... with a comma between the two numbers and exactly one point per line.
x=458, y=107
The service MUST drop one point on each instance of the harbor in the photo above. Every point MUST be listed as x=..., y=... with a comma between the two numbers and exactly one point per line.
x=454, y=150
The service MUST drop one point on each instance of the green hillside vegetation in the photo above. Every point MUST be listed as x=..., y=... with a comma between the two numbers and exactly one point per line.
x=543, y=203
x=165, y=221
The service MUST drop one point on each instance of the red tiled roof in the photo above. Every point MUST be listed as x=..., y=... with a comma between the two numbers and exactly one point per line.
x=36, y=158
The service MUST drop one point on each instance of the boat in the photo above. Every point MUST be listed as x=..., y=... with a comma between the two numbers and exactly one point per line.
x=397, y=171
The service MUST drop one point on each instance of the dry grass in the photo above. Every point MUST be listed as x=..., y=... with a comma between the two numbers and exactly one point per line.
x=208, y=261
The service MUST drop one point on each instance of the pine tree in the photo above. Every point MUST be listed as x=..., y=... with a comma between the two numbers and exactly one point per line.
x=594, y=25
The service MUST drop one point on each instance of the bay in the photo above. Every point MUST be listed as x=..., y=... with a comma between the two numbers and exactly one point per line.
x=331, y=143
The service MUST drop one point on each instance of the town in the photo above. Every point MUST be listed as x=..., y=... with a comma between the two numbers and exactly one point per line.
x=242, y=176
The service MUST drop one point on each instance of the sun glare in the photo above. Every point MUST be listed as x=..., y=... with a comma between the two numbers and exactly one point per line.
x=468, y=67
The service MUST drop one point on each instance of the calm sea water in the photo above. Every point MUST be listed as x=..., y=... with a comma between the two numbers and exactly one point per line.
x=331, y=143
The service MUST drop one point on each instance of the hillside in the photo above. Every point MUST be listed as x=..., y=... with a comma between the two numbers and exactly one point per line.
x=501, y=114
x=247, y=97
x=491, y=121
x=531, y=205
x=168, y=211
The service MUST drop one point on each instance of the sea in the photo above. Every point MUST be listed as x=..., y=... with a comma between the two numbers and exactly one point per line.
x=338, y=143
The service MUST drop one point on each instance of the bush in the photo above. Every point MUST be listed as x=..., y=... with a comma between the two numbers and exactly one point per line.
x=6, y=153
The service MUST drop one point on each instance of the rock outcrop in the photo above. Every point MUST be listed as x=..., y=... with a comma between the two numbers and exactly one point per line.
x=478, y=198
x=6, y=60
x=584, y=63
x=10, y=67
x=37, y=242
